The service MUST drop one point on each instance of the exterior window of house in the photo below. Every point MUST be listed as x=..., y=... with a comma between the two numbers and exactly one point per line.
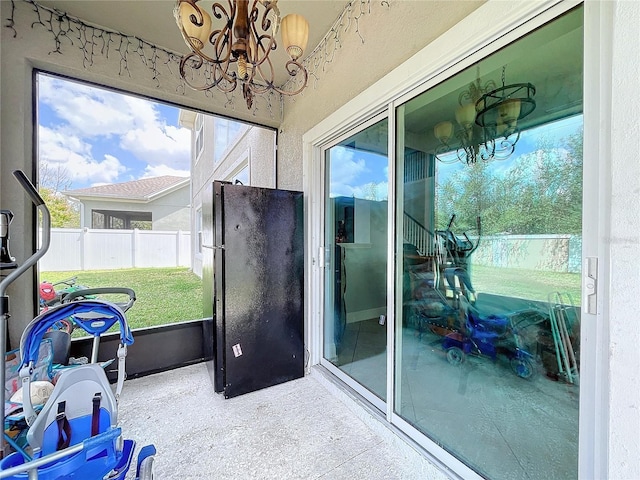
x=199, y=134
x=225, y=132
x=242, y=176
x=97, y=220
x=121, y=220
x=487, y=358
x=198, y=230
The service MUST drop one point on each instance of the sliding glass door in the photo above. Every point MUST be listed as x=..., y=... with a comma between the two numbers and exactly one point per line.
x=489, y=189
x=356, y=273
x=481, y=271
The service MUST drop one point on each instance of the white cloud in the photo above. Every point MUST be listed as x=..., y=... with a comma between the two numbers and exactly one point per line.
x=345, y=169
x=93, y=112
x=160, y=145
x=70, y=152
x=161, y=170
x=133, y=124
x=352, y=177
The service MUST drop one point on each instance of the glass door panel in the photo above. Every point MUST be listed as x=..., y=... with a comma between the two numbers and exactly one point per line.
x=355, y=334
x=490, y=209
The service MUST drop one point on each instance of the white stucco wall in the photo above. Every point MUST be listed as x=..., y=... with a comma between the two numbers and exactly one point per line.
x=171, y=211
x=623, y=243
x=255, y=145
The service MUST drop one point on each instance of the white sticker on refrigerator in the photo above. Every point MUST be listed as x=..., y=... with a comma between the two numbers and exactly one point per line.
x=237, y=351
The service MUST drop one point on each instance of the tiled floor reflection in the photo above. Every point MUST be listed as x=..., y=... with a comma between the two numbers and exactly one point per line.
x=363, y=355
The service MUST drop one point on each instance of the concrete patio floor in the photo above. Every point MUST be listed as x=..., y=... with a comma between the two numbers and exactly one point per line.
x=303, y=429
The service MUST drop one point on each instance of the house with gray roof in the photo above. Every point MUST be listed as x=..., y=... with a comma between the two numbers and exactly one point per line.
x=158, y=203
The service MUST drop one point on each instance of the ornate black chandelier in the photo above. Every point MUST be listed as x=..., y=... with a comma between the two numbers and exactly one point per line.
x=488, y=122
x=245, y=39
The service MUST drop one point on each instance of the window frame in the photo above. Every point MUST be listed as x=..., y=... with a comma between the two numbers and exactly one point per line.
x=198, y=137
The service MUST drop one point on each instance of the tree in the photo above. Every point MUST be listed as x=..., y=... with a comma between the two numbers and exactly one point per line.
x=468, y=193
x=540, y=192
x=370, y=191
x=55, y=178
x=52, y=181
x=64, y=214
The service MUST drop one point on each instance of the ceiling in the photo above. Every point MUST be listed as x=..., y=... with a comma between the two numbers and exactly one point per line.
x=153, y=21
x=553, y=66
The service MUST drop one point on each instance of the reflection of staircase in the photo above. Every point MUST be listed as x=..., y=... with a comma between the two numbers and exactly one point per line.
x=417, y=234
x=419, y=171
x=431, y=255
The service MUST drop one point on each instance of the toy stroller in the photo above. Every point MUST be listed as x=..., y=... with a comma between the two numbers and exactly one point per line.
x=75, y=435
x=488, y=336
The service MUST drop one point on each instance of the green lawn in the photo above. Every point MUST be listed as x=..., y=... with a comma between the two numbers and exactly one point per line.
x=528, y=284
x=169, y=295
x=163, y=295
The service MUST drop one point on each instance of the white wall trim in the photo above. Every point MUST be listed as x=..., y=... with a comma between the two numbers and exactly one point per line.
x=594, y=378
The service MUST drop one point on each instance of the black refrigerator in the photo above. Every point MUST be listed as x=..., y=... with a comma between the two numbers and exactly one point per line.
x=253, y=279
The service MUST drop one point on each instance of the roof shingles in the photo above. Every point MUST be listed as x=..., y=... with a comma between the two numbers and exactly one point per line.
x=135, y=190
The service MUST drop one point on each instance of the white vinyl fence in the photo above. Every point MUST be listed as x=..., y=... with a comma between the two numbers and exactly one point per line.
x=93, y=249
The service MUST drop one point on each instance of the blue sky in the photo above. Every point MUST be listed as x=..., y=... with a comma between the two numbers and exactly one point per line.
x=354, y=171
x=100, y=136
x=529, y=142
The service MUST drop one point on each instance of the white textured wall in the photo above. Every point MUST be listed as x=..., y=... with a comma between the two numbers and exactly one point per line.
x=258, y=145
x=624, y=246
x=172, y=211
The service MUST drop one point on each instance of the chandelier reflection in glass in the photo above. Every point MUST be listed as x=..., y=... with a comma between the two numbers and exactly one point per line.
x=237, y=51
x=487, y=117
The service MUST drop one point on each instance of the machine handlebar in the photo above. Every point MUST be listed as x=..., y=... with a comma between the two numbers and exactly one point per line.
x=28, y=187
